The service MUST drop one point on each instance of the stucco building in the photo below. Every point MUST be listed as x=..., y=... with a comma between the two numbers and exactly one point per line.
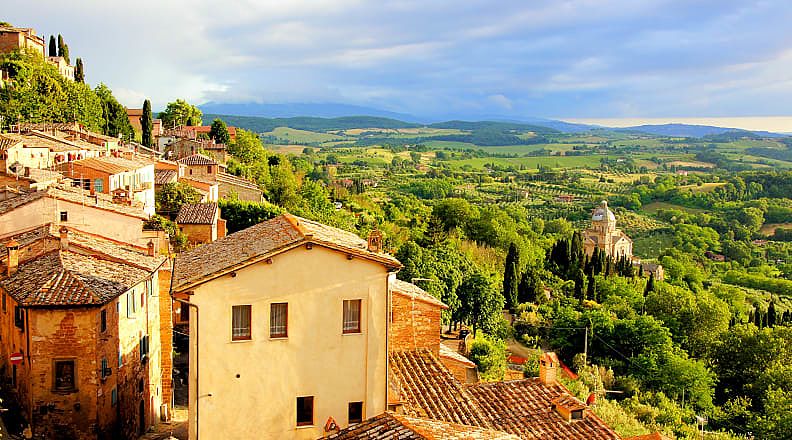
x=22, y=39
x=288, y=330
x=80, y=331
x=604, y=235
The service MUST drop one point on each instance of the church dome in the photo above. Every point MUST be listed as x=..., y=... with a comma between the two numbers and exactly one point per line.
x=602, y=212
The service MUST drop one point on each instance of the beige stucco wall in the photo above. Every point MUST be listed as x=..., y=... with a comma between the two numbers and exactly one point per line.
x=316, y=359
x=84, y=218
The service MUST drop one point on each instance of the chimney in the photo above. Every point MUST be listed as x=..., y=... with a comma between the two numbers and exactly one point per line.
x=150, y=248
x=548, y=366
x=13, y=256
x=375, y=241
x=64, y=237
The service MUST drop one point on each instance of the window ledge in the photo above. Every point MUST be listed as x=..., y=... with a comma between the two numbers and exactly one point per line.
x=305, y=426
x=352, y=334
x=238, y=341
x=279, y=338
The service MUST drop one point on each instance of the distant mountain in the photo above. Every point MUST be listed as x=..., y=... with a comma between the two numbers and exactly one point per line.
x=695, y=131
x=291, y=110
x=262, y=125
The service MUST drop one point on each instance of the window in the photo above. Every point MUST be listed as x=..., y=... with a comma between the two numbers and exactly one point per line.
x=131, y=306
x=279, y=320
x=4, y=303
x=142, y=300
x=209, y=169
x=103, y=321
x=64, y=216
x=352, y=316
x=184, y=313
x=355, y=412
x=305, y=411
x=144, y=348
x=98, y=185
x=65, y=373
x=19, y=317
x=120, y=358
x=240, y=323
x=113, y=396
x=105, y=368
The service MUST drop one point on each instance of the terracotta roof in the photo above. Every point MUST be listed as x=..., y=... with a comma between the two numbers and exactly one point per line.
x=197, y=159
x=197, y=214
x=68, y=278
x=234, y=180
x=429, y=390
x=134, y=112
x=448, y=353
x=162, y=177
x=107, y=164
x=7, y=142
x=652, y=436
x=261, y=241
x=74, y=195
x=411, y=290
x=396, y=426
x=525, y=407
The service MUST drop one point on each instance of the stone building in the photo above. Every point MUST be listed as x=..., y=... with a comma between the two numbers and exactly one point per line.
x=22, y=39
x=604, y=235
x=80, y=334
x=201, y=222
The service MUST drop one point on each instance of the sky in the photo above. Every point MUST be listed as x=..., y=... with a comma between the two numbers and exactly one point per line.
x=566, y=59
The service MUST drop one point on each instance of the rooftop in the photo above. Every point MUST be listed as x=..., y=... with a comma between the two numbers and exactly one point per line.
x=197, y=159
x=162, y=177
x=107, y=164
x=260, y=241
x=75, y=195
x=411, y=290
x=395, y=426
x=197, y=214
x=234, y=180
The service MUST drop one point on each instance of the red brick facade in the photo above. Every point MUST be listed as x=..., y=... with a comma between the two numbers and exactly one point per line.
x=414, y=324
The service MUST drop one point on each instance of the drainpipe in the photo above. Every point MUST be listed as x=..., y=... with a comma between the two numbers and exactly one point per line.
x=197, y=359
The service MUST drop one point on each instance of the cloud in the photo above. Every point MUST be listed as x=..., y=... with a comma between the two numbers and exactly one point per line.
x=572, y=58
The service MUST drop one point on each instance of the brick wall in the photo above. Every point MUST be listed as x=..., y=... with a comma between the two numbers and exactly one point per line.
x=198, y=234
x=461, y=371
x=166, y=336
x=414, y=324
x=244, y=193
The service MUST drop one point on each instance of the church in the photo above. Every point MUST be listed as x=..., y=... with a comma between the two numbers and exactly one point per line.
x=604, y=235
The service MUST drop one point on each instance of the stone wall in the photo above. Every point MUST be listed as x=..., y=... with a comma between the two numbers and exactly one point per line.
x=414, y=324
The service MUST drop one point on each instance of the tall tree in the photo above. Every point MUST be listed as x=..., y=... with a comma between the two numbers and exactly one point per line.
x=79, y=73
x=511, y=277
x=116, y=121
x=53, y=47
x=481, y=303
x=180, y=112
x=771, y=314
x=219, y=132
x=146, y=124
x=63, y=49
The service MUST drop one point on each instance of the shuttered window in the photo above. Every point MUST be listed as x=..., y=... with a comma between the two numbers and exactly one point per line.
x=352, y=316
x=240, y=322
x=279, y=320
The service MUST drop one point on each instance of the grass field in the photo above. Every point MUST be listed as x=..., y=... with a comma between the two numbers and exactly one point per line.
x=653, y=207
x=769, y=228
x=652, y=245
x=531, y=162
x=703, y=188
x=295, y=135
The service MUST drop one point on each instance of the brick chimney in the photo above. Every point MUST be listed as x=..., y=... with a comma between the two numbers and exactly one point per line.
x=375, y=241
x=64, y=237
x=150, y=248
x=548, y=367
x=13, y=257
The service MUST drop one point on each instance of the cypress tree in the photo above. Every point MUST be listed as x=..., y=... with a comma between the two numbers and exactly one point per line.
x=511, y=277
x=591, y=293
x=146, y=124
x=771, y=314
x=79, y=74
x=758, y=319
x=61, y=46
x=53, y=47
x=650, y=284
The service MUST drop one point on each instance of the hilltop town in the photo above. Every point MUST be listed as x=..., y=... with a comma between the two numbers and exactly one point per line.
x=173, y=276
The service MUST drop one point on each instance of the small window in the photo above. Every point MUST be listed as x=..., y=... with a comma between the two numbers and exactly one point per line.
x=352, y=316
x=64, y=216
x=65, y=375
x=131, y=305
x=240, y=322
x=98, y=185
x=279, y=320
x=305, y=411
x=120, y=358
x=144, y=348
x=105, y=368
x=19, y=317
x=113, y=397
x=103, y=321
x=184, y=313
x=4, y=303
x=209, y=169
x=142, y=300
x=355, y=412
x=577, y=414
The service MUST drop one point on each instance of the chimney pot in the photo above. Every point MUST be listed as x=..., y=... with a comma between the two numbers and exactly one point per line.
x=64, y=237
x=548, y=367
x=13, y=257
